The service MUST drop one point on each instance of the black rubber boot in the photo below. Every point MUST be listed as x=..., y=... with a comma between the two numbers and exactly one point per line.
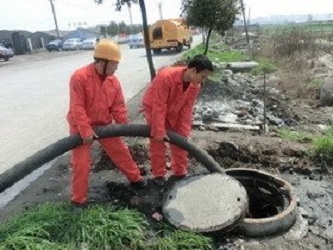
x=139, y=184
x=159, y=181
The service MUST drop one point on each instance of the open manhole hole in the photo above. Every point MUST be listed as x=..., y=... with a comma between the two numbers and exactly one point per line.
x=272, y=204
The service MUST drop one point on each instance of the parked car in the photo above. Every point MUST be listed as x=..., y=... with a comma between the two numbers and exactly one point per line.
x=72, y=44
x=136, y=41
x=6, y=53
x=55, y=45
x=7, y=45
x=90, y=43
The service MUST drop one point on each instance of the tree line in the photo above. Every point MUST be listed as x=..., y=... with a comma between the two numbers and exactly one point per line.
x=114, y=28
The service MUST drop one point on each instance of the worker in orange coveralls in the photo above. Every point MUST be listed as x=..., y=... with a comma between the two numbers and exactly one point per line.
x=168, y=105
x=96, y=98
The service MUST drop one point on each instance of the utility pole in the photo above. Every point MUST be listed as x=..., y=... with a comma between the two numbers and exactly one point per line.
x=249, y=17
x=55, y=18
x=129, y=5
x=160, y=9
x=245, y=25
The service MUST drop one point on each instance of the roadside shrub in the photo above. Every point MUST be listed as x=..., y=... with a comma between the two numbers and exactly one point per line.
x=296, y=84
x=290, y=48
x=294, y=77
x=294, y=40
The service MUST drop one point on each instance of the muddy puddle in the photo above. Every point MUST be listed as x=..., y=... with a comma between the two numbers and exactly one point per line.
x=315, y=201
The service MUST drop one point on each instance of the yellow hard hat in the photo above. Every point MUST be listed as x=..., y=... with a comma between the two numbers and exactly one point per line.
x=108, y=50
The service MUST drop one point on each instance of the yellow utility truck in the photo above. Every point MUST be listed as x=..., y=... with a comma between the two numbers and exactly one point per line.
x=169, y=34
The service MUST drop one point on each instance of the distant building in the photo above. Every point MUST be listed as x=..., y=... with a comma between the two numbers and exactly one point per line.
x=80, y=33
x=6, y=35
x=40, y=39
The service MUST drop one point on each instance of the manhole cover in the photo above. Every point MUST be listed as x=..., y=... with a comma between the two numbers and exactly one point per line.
x=206, y=203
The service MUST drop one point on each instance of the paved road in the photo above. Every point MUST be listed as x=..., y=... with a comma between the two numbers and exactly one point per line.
x=34, y=96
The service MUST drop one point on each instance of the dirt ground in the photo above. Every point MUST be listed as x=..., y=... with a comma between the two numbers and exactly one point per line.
x=231, y=149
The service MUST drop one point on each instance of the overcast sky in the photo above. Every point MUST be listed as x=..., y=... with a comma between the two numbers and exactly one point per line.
x=36, y=15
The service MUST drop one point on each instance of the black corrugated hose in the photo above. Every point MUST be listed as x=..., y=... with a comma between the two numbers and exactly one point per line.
x=27, y=166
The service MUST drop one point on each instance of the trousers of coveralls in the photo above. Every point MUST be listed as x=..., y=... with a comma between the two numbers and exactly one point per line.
x=116, y=149
x=179, y=157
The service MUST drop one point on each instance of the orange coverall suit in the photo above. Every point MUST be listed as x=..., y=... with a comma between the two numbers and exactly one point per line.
x=94, y=103
x=168, y=107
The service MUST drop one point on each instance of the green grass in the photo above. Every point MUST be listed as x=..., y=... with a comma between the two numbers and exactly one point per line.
x=217, y=55
x=265, y=66
x=323, y=149
x=55, y=226
x=312, y=27
x=316, y=83
x=225, y=56
x=322, y=146
x=170, y=239
x=299, y=136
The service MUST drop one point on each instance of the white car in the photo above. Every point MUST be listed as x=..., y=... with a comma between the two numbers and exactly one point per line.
x=72, y=44
x=136, y=41
x=5, y=53
x=89, y=43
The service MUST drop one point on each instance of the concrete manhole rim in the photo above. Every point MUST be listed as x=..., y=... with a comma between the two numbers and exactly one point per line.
x=274, y=224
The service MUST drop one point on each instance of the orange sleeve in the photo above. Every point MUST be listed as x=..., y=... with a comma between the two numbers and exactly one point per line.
x=160, y=104
x=77, y=106
x=185, y=119
x=118, y=108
